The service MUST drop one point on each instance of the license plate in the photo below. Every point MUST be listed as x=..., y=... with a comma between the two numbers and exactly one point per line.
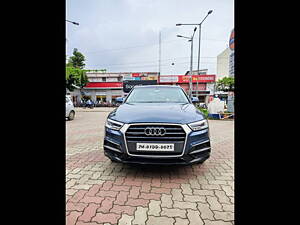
x=154, y=147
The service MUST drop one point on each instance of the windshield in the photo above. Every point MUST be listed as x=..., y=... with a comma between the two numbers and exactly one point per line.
x=157, y=95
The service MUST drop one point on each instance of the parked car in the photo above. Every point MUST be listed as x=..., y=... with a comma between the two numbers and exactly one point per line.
x=70, y=110
x=157, y=125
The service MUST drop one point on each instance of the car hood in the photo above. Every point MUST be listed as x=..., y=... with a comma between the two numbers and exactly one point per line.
x=154, y=112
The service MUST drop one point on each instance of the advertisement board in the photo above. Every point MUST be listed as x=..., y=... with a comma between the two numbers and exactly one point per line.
x=104, y=85
x=129, y=84
x=199, y=78
x=169, y=79
x=231, y=41
x=185, y=78
x=231, y=56
x=152, y=77
x=128, y=77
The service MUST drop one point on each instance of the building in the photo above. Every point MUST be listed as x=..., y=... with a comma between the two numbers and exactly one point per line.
x=225, y=68
x=204, y=90
x=105, y=87
x=223, y=64
x=225, y=60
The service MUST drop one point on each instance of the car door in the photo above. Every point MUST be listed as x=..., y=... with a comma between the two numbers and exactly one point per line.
x=68, y=106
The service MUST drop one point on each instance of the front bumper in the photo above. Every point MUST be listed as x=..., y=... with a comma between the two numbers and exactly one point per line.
x=196, y=149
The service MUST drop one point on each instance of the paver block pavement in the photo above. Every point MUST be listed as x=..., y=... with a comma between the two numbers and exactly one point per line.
x=194, y=217
x=216, y=222
x=194, y=198
x=120, y=209
x=89, y=212
x=106, y=218
x=154, y=208
x=101, y=192
x=140, y=216
x=205, y=211
x=173, y=212
x=125, y=220
x=185, y=205
x=160, y=220
x=179, y=221
x=226, y=216
x=166, y=201
x=72, y=218
x=214, y=203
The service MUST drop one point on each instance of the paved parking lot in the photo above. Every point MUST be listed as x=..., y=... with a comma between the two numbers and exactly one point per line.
x=101, y=192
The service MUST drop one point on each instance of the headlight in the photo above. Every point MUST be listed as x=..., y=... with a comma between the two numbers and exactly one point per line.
x=199, y=125
x=111, y=124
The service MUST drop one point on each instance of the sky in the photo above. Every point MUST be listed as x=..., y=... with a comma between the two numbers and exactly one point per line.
x=123, y=35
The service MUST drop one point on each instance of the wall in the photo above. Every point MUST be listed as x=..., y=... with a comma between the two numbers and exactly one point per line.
x=223, y=64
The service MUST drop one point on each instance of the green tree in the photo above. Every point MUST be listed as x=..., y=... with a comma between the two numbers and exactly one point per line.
x=225, y=84
x=77, y=60
x=75, y=77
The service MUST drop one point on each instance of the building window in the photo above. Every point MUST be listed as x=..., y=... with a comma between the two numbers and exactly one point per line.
x=104, y=79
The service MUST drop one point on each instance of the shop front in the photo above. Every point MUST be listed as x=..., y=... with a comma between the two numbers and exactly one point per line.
x=103, y=92
x=101, y=96
x=202, y=85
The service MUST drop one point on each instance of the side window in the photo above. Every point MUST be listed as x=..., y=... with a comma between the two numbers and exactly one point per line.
x=67, y=99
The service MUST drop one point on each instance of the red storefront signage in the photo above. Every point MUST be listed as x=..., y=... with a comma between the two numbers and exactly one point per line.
x=135, y=74
x=104, y=85
x=185, y=78
x=195, y=78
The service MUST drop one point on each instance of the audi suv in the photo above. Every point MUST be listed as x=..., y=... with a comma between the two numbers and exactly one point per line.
x=157, y=124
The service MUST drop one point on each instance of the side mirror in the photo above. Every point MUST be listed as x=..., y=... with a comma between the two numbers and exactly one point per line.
x=119, y=99
x=195, y=99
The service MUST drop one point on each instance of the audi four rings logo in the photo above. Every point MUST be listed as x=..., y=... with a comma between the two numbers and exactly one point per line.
x=155, y=131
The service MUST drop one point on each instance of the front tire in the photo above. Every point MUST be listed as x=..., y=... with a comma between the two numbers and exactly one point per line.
x=71, y=115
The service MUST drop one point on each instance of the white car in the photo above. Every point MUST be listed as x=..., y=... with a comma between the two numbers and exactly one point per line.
x=70, y=110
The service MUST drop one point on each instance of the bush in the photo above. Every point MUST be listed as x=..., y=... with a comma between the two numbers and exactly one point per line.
x=204, y=111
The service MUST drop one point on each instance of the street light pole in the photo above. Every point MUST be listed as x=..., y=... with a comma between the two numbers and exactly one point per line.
x=75, y=23
x=191, y=69
x=191, y=66
x=199, y=24
x=198, y=68
x=209, y=12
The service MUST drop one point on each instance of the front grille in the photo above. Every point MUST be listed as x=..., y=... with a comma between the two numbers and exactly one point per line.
x=174, y=134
